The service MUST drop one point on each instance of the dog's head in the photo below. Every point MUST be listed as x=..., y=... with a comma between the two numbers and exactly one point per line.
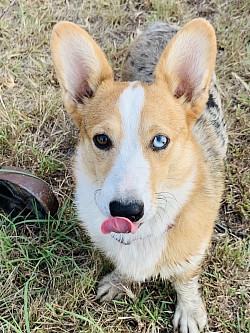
x=136, y=141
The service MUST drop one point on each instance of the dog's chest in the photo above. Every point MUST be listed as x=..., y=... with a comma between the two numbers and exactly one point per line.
x=139, y=260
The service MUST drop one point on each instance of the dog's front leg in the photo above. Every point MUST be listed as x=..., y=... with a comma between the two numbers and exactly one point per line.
x=112, y=286
x=190, y=314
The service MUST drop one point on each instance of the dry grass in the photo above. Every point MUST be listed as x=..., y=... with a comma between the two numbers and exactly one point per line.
x=48, y=269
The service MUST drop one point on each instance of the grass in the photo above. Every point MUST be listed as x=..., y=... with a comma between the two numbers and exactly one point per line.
x=48, y=268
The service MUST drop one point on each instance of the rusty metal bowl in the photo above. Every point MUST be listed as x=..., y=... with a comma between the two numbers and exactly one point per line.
x=23, y=194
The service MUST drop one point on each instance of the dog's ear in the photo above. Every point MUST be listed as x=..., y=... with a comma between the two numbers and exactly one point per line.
x=80, y=66
x=187, y=65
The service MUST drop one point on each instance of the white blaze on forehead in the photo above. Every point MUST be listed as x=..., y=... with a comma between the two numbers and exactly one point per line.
x=130, y=160
x=129, y=177
x=130, y=106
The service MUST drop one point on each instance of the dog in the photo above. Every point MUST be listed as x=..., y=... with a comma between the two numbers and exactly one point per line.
x=149, y=166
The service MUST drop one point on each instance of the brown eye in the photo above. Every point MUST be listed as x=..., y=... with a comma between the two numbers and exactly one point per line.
x=102, y=141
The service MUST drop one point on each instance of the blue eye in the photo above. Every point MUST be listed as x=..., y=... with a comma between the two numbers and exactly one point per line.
x=160, y=142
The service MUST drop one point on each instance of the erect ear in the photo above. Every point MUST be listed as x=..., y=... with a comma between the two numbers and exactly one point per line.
x=80, y=66
x=187, y=65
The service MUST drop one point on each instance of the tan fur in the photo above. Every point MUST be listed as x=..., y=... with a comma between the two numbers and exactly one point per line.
x=97, y=165
x=95, y=67
x=173, y=105
x=176, y=164
x=170, y=71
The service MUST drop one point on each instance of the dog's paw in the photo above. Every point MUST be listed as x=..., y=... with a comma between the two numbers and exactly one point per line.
x=190, y=317
x=111, y=287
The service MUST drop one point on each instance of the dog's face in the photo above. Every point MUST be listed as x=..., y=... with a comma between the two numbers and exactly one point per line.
x=129, y=150
x=136, y=138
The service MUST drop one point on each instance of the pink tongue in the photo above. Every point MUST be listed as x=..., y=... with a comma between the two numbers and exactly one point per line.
x=119, y=225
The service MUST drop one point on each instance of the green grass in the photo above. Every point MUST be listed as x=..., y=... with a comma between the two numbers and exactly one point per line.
x=48, y=268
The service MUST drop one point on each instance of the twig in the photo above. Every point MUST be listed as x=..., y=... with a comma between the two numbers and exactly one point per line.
x=247, y=87
x=1, y=101
x=225, y=230
x=7, y=8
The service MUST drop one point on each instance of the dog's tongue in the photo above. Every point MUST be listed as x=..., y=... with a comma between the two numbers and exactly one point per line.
x=119, y=225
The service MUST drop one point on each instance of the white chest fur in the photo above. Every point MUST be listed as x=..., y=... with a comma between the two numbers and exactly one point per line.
x=139, y=259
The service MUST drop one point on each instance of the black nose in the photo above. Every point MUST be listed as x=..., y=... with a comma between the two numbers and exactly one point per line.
x=132, y=210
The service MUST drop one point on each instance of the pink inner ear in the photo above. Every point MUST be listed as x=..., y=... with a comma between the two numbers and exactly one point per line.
x=180, y=91
x=82, y=91
x=189, y=81
x=77, y=79
x=184, y=88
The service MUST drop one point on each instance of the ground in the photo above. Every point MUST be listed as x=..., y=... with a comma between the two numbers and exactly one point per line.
x=49, y=269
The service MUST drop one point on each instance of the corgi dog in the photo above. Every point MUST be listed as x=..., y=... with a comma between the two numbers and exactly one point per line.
x=149, y=164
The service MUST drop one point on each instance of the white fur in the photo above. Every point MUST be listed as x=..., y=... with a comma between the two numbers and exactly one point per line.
x=139, y=259
x=190, y=314
x=128, y=179
x=186, y=66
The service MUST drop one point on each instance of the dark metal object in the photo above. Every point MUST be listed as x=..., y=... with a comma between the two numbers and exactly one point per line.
x=22, y=193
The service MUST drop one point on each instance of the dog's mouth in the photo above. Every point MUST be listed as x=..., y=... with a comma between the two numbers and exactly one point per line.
x=126, y=240
x=119, y=225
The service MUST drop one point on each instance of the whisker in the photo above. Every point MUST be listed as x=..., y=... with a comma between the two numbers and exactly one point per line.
x=95, y=194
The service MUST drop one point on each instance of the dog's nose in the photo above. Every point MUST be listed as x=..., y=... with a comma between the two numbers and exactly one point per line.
x=132, y=210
